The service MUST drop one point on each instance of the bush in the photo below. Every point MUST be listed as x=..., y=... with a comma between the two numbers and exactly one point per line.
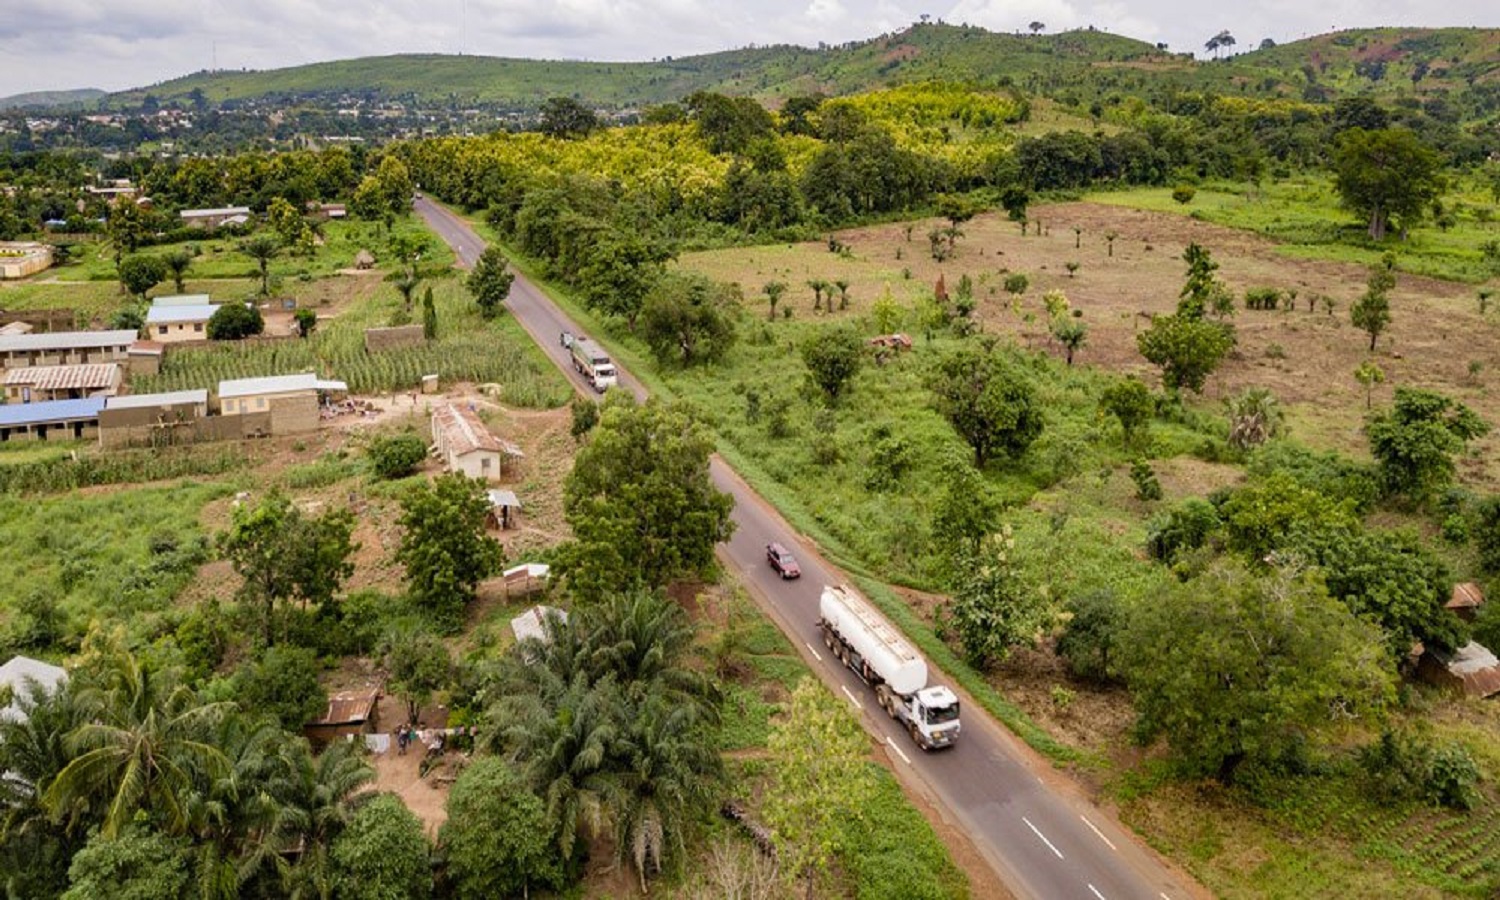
x=1087, y=642
x=397, y=455
x=1487, y=533
x=496, y=840
x=1330, y=474
x=383, y=854
x=1147, y=487
x=1187, y=526
x=284, y=683
x=1405, y=767
x=235, y=321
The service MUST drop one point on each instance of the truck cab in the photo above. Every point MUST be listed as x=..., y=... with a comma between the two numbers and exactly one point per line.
x=934, y=720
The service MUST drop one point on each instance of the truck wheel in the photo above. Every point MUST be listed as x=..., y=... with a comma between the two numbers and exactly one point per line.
x=827, y=639
x=916, y=736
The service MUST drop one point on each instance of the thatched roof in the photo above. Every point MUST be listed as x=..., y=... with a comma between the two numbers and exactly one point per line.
x=364, y=259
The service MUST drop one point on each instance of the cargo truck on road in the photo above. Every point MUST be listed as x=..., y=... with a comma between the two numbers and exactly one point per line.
x=591, y=361
x=874, y=650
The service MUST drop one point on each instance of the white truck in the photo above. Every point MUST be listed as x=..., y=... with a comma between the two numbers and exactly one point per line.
x=875, y=651
x=591, y=361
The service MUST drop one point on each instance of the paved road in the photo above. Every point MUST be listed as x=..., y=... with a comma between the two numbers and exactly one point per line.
x=1041, y=837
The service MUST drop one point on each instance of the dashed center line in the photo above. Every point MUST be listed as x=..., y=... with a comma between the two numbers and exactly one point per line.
x=1096, y=892
x=1096, y=830
x=814, y=651
x=852, y=699
x=1037, y=831
x=892, y=744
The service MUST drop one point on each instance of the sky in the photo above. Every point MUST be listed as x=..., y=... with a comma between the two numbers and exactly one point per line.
x=118, y=44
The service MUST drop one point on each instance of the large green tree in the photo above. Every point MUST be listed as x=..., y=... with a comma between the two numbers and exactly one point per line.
x=137, y=865
x=833, y=357
x=234, y=321
x=139, y=274
x=1186, y=349
x=496, y=840
x=989, y=402
x=994, y=608
x=820, y=780
x=444, y=545
x=490, y=281
x=564, y=117
x=383, y=854
x=1414, y=441
x=282, y=682
x=284, y=554
x=1386, y=174
x=688, y=320
x=1232, y=667
x=640, y=502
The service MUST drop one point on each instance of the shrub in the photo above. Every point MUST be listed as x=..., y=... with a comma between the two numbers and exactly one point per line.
x=1487, y=534
x=1187, y=526
x=1263, y=298
x=235, y=321
x=383, y=854
x=1088, y=640
x=396, y=455
x=284, y=683
x=1147, y=487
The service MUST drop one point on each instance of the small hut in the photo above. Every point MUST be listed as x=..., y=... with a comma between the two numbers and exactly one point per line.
x=504, y=508
x=1471, y=670
x=349, y=712
x=364, y=260
x=1467, y=598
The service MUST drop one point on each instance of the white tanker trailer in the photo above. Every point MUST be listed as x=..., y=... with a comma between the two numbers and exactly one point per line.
x=875, y=651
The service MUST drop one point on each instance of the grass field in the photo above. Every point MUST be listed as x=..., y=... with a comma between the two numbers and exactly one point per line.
x=1304, y=216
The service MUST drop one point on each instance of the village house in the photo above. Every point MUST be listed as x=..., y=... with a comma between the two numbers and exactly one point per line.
x=152, y=419
x=65, y=348
x=19, y=259
x=466, y=446
x=213, y=218
x=179, y=318
x=289, y=402
x=144, y=357
x=35, y=384
x=52, y=420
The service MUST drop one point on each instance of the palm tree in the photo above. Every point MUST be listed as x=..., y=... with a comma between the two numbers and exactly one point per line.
x=672, y=768
x=819, y=285
x=327, y=791
x=1254, y=418
x=178, y=262
x=262, y=248
x=35, y=848
x=774, y=290
x=144, y=748
x=639, y=640
x=406, y=282
x=843, y=285
x=1036, y=27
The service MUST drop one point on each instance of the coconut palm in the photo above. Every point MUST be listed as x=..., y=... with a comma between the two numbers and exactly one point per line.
x=178, y=262
x=406, y=282
x=145, y=747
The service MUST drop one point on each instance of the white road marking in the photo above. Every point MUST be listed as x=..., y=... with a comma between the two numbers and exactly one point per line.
x=1096, y=830
x=1039, y=834
x=1096, y=892
x=1165, y=897
x=852, y=699
x=814, y=651
x=892, y=744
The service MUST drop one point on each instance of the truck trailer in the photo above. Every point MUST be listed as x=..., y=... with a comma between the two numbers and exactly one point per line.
x=591, y=362
x=874, y=650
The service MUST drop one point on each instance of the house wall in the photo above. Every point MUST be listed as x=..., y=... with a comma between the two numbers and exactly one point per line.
x=144, y=363
x=259, y=403
x=378, y=339
x=27, y=264
x=295, y=414
x=178, y=332
x=83, y=429
x=476, y=464
x=25, y=393
x=24, y=359
x=115, y=433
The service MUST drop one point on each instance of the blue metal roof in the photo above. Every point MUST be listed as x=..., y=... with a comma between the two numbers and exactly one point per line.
x=14, y=414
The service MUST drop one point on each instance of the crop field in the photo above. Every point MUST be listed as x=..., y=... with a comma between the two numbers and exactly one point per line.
x=467, y=349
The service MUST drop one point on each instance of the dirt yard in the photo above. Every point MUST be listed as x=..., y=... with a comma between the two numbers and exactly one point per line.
x=1306, y=358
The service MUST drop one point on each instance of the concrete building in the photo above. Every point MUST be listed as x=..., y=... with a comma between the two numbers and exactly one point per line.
x=213, y=218
x=152, y=420
x=19, y=259
x=65, y=348
x=466, y=446
x=34, y=384
x=53, y=420
x=177, y=321
x=292, y=401
x=144, y=357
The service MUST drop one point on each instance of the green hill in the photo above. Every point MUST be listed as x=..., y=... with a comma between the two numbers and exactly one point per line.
x=51, y=98
x=1078, y=64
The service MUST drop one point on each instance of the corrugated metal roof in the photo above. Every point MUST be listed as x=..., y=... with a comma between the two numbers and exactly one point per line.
x=278, y=384
x=529, y=624
x=143, y=401
x=223, y=211
x=65, y=340
x=350, y=707
x=152, y=347
x=1466, y=595
x=48, y=411
x=461, y=431
x=1473, y=668
x=166, y=315
x=65, y=378
x=15, y=673
x=181, y=300
x=504, y=498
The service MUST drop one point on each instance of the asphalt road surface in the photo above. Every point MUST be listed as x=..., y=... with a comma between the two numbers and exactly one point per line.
x=1041, y=836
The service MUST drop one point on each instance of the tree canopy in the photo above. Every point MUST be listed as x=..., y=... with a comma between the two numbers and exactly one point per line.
x=490, y=281
x=688, y=320
x=444, y=545
x=989, y=402
x=1414, y=441
x=1386, y=174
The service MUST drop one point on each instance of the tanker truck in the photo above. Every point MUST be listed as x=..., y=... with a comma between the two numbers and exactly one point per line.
x=875, y=651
